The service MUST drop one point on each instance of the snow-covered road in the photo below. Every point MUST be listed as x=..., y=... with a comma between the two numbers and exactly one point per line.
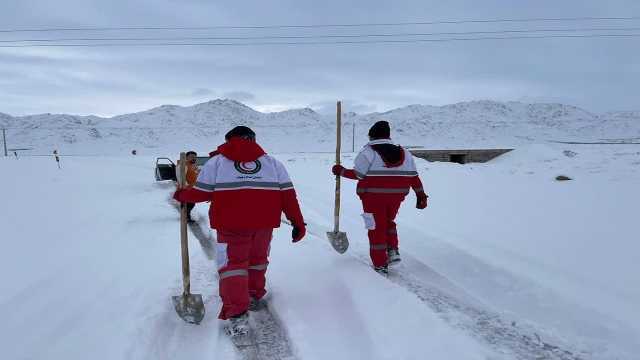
x=90, y=258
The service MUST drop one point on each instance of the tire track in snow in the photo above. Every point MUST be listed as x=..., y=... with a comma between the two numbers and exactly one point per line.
x=522, y=298
x=463, y=312
x=486, y=325
x=272, y=341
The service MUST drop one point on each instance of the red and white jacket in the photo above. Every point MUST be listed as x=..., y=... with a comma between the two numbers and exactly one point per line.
x=248, y=189
x=375, y=176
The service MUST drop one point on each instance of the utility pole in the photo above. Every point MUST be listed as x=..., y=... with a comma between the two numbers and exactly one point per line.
x=353, y=136
x=4, y=141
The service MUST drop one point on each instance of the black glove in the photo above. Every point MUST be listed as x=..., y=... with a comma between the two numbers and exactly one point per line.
x=298, y=232
x=421, y=200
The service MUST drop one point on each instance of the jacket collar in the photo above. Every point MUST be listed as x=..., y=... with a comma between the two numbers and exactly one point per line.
x=380, y=141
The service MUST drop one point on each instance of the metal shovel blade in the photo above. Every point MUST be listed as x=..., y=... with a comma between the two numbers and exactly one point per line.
x=338, y=240
x=189, y=307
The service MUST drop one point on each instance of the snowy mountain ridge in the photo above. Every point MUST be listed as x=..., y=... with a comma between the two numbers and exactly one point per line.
x=473, y=123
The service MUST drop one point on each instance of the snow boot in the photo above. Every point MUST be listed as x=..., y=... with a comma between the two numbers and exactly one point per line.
x=239, y=325
x=382, y=270
x=256, y=304
x=393, y=256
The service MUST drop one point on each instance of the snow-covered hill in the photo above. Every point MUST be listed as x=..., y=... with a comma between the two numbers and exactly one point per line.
x=491, y=123
x=201, y=126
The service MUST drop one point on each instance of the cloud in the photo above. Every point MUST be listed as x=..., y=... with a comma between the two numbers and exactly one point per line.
x=329, y=107
x=241, y=96
x=597, y=74
x=200, y=92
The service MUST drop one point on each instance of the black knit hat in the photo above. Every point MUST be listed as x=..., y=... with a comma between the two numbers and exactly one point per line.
x=380, y=130
x=241, y=132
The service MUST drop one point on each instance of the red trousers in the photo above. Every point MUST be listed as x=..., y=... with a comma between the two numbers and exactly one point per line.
x=383, y=208
x=242, y=257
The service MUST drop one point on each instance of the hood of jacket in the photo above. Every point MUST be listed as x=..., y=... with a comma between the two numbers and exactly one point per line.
x=391, y=154
x=237, y=149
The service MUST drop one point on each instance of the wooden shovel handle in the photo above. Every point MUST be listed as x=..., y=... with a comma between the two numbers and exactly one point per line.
x=336, y=212
x=184, y=241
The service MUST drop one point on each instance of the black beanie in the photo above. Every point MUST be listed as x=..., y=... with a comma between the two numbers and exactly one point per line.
x=380, y=130
x=241, y=132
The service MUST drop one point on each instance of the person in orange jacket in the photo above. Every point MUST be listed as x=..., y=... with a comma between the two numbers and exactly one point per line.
x=192, y=177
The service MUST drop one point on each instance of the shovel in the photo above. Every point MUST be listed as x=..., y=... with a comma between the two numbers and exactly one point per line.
x=189, y=307
x=337, y=238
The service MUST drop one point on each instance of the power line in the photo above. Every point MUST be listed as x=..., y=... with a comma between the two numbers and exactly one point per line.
x=344, y=25
x=520, y=31
x=332, y=42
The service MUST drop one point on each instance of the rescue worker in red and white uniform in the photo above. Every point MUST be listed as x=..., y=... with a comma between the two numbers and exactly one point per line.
x=248, y=190
x=385, y=174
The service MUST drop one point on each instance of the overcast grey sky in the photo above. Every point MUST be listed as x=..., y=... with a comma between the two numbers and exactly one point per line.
x=597, y=74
